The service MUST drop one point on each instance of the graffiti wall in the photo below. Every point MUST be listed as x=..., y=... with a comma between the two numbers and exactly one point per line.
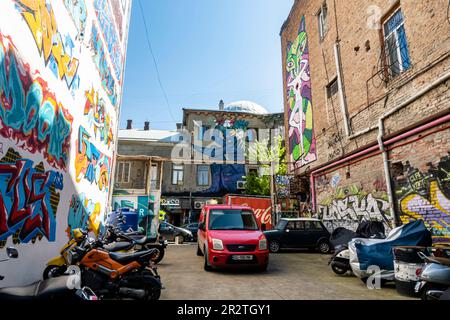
x=61, y=76
x=424, y=193
x=350, y=195
x=302, y=142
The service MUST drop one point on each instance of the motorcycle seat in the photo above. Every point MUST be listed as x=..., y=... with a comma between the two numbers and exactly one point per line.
x=139, y=239
x=443, y=261
x=38, y=290
x=118, y=246
x=126, y=258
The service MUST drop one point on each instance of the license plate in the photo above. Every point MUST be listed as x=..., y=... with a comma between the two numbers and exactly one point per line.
x=242, y=257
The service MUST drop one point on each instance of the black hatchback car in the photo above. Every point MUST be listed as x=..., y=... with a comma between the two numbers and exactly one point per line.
x=299, y=233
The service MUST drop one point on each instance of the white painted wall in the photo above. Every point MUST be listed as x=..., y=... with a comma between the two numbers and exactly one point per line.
x=17, y=35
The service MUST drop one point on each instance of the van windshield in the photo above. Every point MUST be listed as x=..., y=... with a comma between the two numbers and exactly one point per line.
x=232, y=220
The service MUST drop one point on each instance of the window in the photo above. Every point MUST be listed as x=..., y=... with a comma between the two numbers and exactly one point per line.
x=123, y=172
x=332, y=88
x=251, y=135
x=253, y=171
x=322, y=19
x=201, y=130
x=154, y=176
x=202, y=175
x=295, y=225
x=395, y=45
x=313, y=225
x=177, y=174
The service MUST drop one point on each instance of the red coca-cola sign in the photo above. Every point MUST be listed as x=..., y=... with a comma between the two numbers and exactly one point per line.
x=261, y=206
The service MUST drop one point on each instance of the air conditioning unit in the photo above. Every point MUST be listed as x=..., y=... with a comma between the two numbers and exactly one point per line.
x=199, y=204
x=241, y=185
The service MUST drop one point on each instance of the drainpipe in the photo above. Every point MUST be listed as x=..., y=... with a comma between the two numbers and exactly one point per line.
x=387, y=171
x=342, y=100
x=419, y=94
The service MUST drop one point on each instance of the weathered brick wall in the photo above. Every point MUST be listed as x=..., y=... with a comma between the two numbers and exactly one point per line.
x=421, y=180
x=428, y=37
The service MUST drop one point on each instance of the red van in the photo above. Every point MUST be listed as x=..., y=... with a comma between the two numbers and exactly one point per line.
x=229, y=236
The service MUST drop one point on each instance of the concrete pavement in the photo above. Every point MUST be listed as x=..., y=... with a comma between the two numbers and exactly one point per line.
x=291, y=275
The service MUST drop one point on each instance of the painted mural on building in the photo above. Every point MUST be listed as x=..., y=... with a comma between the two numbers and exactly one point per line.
x=350, y=205
x=60, y=87
x=90, y=163
x=302, y=142
x=425, y=194
x=30, y=113
x=55, y=48
x=99, y=119
x=29, y=199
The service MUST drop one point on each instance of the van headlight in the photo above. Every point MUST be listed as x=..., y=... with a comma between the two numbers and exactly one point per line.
x=262, y=244
x=217, y=244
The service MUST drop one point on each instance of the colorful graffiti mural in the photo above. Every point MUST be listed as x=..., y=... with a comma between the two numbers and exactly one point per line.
x=348, y=206
x=83, y=214
x=118, y=16
x=113, y=43
x=108, y=82
x=29, y=199
x=302, y=142
x=99, y=119
x=29, y=113
x=91, y=164
x=56, y=49
x=78, y=12
x=426, y=195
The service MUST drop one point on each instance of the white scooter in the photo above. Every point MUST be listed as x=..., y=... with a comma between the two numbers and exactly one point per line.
x=434, y=278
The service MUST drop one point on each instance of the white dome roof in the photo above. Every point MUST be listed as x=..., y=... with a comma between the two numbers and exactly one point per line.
x=246, y=106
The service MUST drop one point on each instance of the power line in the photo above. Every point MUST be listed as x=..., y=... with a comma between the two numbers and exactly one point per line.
x=154, y=62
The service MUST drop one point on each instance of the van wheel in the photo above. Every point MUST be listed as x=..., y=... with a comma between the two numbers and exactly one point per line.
x=324, y=247
x=206, y=265
x=274, y=246
x=199, y=252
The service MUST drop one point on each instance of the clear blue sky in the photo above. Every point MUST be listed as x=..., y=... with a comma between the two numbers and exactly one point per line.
x=206, y=50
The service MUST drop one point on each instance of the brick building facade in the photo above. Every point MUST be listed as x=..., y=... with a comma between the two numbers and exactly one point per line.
x=367, y=109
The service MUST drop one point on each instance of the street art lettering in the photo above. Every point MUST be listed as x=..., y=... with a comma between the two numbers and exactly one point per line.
x=335, y=180
x=28, y=199
x=113, y=43
x=99, y=119
x=78, y=12
x=90, y=163
x=56, y=49
x=118, y=16
x=83, y=214
x=29, y=112
x=426, y=195
x=349, y=206
x=302, y=142
x=282, y=186
x=108, y=82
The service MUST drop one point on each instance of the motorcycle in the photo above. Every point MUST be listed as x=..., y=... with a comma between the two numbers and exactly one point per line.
x=113, y=275
x=340, y=237
x=117, y=240
x=434, y=279
x=58, y=265
x=61, y=288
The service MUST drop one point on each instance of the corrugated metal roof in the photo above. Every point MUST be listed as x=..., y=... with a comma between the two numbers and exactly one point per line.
x=149, y=135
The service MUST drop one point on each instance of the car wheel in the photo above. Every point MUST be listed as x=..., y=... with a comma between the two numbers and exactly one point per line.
x=206, y=265
x=180, y=239
x=199, y=252
x=324, y=247
x=274, y=246
x=338, y=270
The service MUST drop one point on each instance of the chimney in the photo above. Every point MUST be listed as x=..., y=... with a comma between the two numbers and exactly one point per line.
x=221, y=105
x=146, y=125
x=129, y=124
x=179, y=126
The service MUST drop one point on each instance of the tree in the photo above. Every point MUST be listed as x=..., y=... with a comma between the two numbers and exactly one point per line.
x=265, y=155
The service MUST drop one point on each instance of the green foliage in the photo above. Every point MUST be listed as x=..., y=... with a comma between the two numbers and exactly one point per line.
x=257, y=186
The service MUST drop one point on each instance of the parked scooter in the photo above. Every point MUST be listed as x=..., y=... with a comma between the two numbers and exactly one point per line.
x=340, y=261
x=434, y=278
x=61, y=288
x=58, y=265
